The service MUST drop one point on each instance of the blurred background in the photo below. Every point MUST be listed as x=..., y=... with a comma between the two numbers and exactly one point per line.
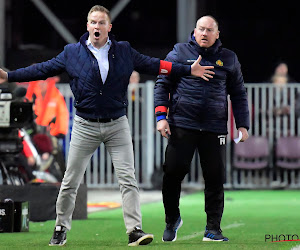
x=262, y=33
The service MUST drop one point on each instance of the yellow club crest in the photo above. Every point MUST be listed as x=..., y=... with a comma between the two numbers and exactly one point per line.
x=219, y=63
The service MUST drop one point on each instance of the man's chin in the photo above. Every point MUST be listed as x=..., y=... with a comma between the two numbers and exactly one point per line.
x=204, y=45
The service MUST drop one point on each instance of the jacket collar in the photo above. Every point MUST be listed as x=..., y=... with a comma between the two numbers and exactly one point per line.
x=206, y=51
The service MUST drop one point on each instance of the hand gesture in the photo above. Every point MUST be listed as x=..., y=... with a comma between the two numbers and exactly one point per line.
x=164, y=128
x=3, y=76
x=201, y=71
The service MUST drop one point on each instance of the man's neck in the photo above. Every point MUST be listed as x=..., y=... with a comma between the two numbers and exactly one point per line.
x=99, y=44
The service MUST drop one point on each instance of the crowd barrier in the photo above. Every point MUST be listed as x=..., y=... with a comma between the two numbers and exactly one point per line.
x=274, y=115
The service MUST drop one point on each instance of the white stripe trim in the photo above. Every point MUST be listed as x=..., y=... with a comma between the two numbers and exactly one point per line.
x=296, y=247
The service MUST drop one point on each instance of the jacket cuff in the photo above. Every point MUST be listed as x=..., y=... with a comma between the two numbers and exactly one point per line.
x=180, y=70
x=243, y=126
x=161, y=117
x=8, y=77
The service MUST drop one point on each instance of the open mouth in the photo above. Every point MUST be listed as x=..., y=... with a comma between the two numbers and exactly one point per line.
x=97, y=34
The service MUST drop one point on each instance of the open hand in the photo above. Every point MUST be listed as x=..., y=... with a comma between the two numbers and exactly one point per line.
x=3, y=76
x=201, y=71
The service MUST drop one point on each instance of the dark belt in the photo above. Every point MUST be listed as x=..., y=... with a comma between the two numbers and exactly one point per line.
x=102, y=120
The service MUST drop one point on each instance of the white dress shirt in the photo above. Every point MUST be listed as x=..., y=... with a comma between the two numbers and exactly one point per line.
x=101, y=56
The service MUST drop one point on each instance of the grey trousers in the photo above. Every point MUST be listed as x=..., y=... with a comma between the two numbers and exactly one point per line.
x=86, y=138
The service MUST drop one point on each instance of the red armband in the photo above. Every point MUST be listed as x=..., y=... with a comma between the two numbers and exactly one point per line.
x=165, y=67
x=161, y=109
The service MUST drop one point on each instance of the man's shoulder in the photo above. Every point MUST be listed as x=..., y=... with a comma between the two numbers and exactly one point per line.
x=122, y=47
x=122, y=44
x=182, y=48
x=74, y=49
x=229, y=57
x=228, y=52
x=71, y=46
x=181, y=45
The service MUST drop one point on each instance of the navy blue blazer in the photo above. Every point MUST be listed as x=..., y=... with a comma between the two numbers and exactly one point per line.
x=93, y=99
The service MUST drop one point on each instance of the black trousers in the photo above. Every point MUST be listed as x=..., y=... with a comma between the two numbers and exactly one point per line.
x=179, y=153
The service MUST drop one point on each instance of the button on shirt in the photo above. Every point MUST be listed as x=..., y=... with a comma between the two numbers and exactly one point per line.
x=101, y=56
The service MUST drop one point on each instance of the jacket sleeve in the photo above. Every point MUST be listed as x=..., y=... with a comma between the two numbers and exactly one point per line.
x=154, y=66
x=238, y=96
x=39, y=71
x=163, y=88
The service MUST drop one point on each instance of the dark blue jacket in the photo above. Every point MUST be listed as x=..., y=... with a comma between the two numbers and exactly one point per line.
x=93, y=99
x=198, y=104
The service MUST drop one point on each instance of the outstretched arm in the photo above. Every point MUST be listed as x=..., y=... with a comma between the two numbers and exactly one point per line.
x=149, y=65
x=38, y=71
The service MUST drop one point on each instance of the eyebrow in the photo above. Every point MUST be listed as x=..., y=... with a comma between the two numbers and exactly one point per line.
x=209, y=28
x=94, y=20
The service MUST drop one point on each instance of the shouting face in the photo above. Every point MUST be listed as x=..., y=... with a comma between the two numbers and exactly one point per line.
x=98, y=26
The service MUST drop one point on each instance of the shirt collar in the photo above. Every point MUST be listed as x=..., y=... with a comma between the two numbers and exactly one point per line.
x=89, y=43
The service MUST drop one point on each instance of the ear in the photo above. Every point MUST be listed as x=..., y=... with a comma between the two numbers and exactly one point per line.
x=218, y=34
x=110, y=26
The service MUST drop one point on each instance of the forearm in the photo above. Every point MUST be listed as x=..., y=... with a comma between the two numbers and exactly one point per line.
x=241, y=114
x=154, y=66
x=39, y=71
x=162, y=90
x=179, y=70
x=161, y=101
x=32, y=73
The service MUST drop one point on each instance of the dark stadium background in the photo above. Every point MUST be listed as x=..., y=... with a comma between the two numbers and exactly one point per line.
x=262, y=33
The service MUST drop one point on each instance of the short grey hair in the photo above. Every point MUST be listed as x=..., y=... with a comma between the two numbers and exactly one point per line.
x=101, y=9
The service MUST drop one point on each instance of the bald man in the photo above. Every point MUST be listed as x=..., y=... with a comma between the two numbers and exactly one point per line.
x=197, y=119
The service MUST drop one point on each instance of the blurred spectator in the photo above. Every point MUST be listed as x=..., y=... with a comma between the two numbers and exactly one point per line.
x=49, y=106
x=52, y=118
x=135, y=77
x=136, y=124
x=280, y=81
x=134, y=81
x=278, y=106
x=281, y=70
